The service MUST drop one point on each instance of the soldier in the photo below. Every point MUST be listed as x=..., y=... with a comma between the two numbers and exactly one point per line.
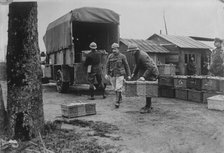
x=217, y=59
x=94, y=70
x=116, y=68
x=145, y=69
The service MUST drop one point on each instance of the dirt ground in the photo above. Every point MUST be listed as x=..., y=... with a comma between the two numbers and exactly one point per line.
x=174, y=126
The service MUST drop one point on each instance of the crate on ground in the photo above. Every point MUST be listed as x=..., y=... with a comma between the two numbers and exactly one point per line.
x=141, y=88
x=167, y=69
x=181, y=93
x=216, y=102
x=195, y=95
x=194, y=82
x=78, y=109
x=180, y=81
x=166, y=91
x=208, y=94
x=166, y=80
x=210, y=83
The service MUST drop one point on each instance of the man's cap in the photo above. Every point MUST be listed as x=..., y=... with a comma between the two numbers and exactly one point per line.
x=218, y=40
x=132, y=47
x=93, y=45
x=114, y=45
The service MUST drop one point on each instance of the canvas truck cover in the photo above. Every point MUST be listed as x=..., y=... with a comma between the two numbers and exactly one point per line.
x=58, y=33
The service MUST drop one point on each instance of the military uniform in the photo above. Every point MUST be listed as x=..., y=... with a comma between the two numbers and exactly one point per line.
x=217, y=60
x=145, y=66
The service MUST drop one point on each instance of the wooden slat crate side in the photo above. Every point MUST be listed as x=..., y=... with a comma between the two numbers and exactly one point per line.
x=90, y=109
x=221, y=85
x=181, y=93
x=71, y=111
x=130, y=89
x=166, y=80
x=180, y=82
x=216, y=102
x=194, y=95
x=166, y=91
x=152, y=90
x=141, y=88
x=166, y=69
x=210, y=84
x=208, y=94
x=194, y=83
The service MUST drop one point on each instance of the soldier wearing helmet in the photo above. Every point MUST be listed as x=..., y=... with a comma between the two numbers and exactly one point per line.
x=217, y=59
x=116, y=68
x=145, y=69
x=94, y=70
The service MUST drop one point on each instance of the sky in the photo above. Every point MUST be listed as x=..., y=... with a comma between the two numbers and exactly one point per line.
x=139, y=19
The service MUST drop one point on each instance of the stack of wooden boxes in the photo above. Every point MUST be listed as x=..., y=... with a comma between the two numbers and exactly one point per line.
x=180, y=85
x=166, y=86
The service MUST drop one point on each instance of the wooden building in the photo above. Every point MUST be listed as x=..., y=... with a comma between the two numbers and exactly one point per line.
x=155, y=51
x=181, y=49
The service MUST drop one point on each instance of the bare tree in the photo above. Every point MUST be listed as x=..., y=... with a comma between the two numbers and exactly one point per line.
x=24, y=101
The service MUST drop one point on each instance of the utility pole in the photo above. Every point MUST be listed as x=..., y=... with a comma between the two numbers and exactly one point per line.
x=164, y=19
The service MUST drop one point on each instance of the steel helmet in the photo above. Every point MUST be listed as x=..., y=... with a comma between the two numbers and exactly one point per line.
x=93, y=45
x=114, y=45
x=132, y=47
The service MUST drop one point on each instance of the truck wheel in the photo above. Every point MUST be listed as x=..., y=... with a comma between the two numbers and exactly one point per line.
x=62, y=87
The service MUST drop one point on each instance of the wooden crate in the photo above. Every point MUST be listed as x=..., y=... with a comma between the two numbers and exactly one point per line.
x=195, y=95
x=210, y=83
x=166, y=80
x=166, y=91
x=130, y=88
x=141, y=88
x=181, y=93
x=180, y=81
x=221, y=84
x=194, y=82
x=216, y=102
x=78, y=109
x=208, y=94
x=166, y=69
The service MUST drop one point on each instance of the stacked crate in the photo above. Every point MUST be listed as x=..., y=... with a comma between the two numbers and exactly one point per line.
x=194, y=86
x=180, y=85
x=166, y=86
x=211, y=86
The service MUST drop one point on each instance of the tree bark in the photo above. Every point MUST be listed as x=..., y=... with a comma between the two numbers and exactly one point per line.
x=25, y=103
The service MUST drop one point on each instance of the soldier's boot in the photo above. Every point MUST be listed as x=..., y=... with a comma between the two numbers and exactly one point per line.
x=91, y=94
x=148, y=107
x=119, y=97
x=117, y=103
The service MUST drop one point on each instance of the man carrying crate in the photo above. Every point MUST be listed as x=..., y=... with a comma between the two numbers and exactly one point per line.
x=117, y=67
x=145, y=69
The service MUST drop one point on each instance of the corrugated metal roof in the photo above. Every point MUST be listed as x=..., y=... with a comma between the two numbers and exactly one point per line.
x=145, y=45
x=184, y=42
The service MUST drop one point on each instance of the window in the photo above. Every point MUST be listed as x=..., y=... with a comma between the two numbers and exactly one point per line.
x=187, y=57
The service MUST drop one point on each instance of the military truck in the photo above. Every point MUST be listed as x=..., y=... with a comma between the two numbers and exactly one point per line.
x=67, y=42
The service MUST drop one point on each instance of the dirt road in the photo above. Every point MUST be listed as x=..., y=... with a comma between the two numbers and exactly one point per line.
x=174, y=126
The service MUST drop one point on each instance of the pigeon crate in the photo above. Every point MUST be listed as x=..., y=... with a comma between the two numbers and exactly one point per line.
x=130, y=88
x=181, y=93
x=90, y=109
x=77, y=109
x=216, y=102
x=166, y=91
x=147, y=88
x=166, y=80
x=167, y=69
x=208, y=94
x=180, y=81
x=221, y=84
x=194, y=82
x=195, y=95
x=210, y=83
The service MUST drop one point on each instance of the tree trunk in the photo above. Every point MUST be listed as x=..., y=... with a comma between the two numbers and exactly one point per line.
x=2, y=113
x=25, y=103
